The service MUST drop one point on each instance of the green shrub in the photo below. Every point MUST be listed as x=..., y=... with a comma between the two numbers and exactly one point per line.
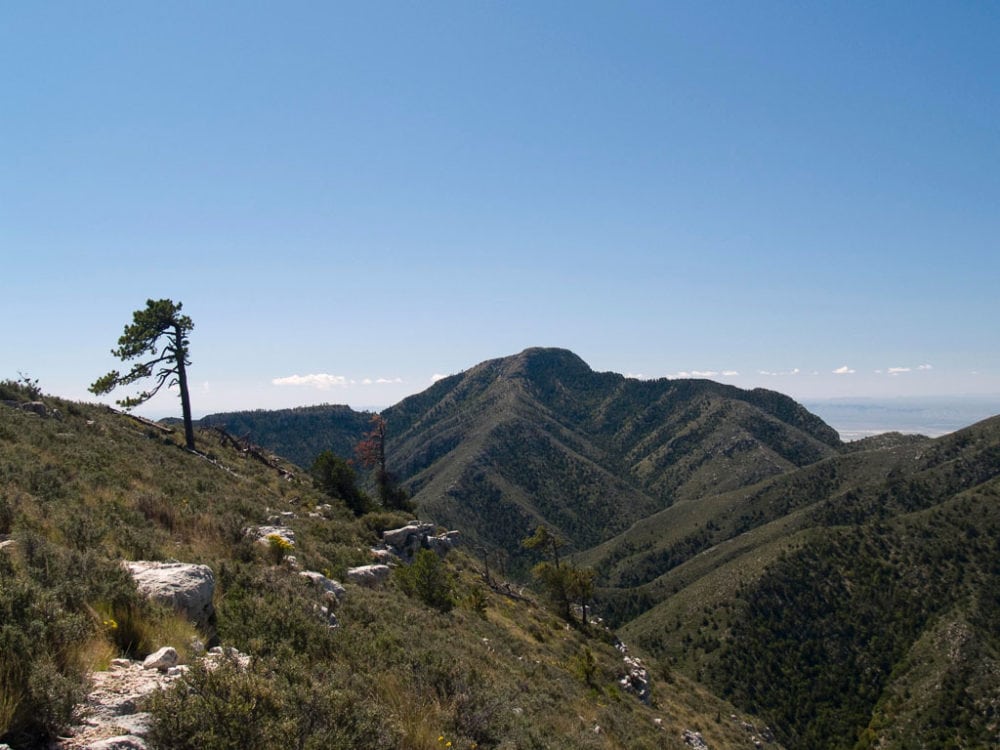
x=428, y=580
x=223, y=707
x=6, y=515
x=41, y=676
x=268, y=704
x=271, y=613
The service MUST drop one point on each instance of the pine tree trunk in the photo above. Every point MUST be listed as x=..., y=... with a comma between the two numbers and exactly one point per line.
x=182, y=384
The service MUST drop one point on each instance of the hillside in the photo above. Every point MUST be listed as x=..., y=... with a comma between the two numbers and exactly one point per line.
x=853, y=600
x=540, y=438
x=299, y=434
x=83, y=488
x=846, y=593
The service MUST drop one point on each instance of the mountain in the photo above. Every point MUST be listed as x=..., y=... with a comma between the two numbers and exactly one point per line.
x=856, y=598
x=540, y=438
x=84, y=488
x=846, y=593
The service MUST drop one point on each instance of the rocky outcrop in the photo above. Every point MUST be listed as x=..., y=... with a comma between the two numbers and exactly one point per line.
x=636, y=678
x=369, y=576
x=184, y=586
x=121, y=742
x=36, y=407
x=333, y=591
x=404, y=543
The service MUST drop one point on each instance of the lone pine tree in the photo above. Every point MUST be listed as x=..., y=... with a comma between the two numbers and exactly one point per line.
x=158, y=335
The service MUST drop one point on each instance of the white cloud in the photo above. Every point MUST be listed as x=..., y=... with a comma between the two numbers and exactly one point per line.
x=437, y=376
x=730, y=373
x=635, y=375
x=324, y=381
x=320, y=380
x=779, y=373
x=901, y=370
x=845, y=370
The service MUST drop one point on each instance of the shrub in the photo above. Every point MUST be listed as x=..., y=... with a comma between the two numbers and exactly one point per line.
x=277, y=548
x=428, y=580
x=336, y=477
x=41, y=675
x=271, y=703
x=223, y=707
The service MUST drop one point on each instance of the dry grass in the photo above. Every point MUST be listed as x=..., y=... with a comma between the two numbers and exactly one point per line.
x=416, y=716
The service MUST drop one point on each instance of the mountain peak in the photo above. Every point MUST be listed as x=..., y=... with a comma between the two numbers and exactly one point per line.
x=538, y=360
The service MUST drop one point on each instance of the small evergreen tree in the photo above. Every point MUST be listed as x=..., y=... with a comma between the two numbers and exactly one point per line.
x=564, y=584
x=336, y=477
x=428, y=580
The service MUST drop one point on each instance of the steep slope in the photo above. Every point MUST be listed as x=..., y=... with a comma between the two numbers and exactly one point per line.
x=82, y=488
x=865, y=612
x=540, y=438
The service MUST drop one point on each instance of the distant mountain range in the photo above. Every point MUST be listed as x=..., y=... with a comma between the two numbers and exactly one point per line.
x=847, y=592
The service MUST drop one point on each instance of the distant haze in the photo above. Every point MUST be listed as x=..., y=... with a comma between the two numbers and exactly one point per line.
x=856, y=418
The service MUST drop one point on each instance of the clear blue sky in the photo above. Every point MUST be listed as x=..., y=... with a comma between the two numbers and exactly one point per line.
x=803, y=196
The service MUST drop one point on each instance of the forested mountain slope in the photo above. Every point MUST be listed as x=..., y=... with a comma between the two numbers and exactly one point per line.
x=540, y=438
x=299, y=434
x=861, y=607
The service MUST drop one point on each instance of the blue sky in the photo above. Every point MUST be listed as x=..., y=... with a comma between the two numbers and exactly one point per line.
x=353, y=198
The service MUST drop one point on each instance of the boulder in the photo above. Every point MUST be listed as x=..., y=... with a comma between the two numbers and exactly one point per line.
x=186, y=587
x=440, y=544
x=332, y=590
x=163, y=659
x=416, y=535
x=369, y=576
x=408, y=537
x=694, y=740
x=36, y=407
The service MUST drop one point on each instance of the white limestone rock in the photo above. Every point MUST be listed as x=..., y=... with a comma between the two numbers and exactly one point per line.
x=369, y=576
x=163, y=659
x=186, y=587
x=332, y=590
